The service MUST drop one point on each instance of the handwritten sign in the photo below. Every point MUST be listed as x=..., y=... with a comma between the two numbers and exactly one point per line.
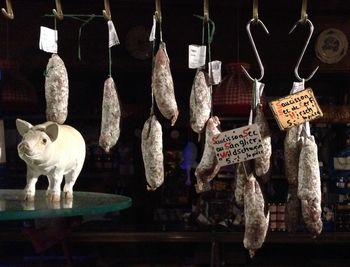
x=296, y=109
x=237, y=145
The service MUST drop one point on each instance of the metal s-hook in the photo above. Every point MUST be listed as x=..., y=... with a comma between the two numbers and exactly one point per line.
x=107, y=11
x=296, y=69
x=259, y=22
x=8, y=12
x=58, y=11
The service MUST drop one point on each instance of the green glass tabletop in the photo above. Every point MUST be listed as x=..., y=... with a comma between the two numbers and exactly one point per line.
x=13, y=207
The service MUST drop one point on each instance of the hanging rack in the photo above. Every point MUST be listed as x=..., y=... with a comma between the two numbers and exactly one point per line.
x=158, y=12
x=255, y=19
x=304, y=20
x=58, y=11
x=8, y=12
x=107, y=11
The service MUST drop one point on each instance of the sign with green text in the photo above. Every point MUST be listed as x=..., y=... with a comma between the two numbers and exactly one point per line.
x=295, y=109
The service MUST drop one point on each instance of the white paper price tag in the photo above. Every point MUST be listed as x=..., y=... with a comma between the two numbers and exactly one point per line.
x=112, y=34
x=152, y=36
x=297, y=87
x=48, y=40
x=196, y=56
x=215, y=71
x=258, y=92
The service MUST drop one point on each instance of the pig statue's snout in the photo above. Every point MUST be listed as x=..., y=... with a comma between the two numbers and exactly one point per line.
x=24, y=147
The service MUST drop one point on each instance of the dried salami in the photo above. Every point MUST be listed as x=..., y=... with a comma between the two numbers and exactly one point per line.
x=152, y=153
x=309, y=185
x=163, y=86
x=256, y=216
x=56, y=90
x=293, y=209
x=241, y=178
x=110, y=124
x=292, y=147
x=262, y=164
x=200, y=102
x=208, y=167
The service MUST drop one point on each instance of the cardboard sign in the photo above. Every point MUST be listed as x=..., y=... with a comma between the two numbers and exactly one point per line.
x=237, y=145
x=296, y=109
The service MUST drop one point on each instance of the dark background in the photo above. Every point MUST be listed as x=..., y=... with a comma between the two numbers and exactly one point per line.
x=121, y=171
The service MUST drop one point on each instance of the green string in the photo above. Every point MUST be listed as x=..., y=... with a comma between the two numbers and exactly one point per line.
x=110, y=62
x=80, y=30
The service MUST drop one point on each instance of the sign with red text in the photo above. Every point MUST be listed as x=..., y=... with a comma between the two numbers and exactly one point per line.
x=296, y=109
x=237, y=145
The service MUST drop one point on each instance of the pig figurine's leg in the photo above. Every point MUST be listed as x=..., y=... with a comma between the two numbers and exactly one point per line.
x=70, y=179
x=29, y=190
x=50, y=186
x=55, y=187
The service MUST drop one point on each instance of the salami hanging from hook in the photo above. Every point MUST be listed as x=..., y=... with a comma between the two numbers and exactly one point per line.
x=56, y=90
x=163, y=86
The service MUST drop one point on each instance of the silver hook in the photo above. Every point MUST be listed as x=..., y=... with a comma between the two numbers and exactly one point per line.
x=58, y=11
x=8, y=12
x=296, y=69
x=107, y=11
x=258, y=21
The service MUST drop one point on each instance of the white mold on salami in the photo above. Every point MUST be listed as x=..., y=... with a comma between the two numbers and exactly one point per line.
x=309, y=185
x=110, y=123
x=56, y=90
x=292, y=147
x=152, y=153
x=293, y=209
x=256, y=216
x=200, y=102
x=208, y=167
x=241, y=179
x=163, y=86
x=262, y=164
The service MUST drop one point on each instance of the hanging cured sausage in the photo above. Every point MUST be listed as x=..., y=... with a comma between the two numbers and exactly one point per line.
x=56, y=90
x=293, y=209
x=292, y=147
x=256, y=217
x=208, y=167
x=262, y=164
x=163, y=86
x=152, y=153
x=241, y=179
x=110, y=128
x=200, y=102
x=309, y=185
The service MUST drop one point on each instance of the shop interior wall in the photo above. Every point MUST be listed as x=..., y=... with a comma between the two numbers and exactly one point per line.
x=279, y=51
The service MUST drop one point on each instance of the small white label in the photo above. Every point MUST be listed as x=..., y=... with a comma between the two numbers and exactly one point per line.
x=196, y=56
x=297, y=87
x=215, y=71
x=259, y=88
x=152, y=36
x=48, y=40
x=112, y=33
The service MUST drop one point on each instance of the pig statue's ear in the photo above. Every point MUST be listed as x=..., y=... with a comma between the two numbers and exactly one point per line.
x=22, y=126
x=52, y=131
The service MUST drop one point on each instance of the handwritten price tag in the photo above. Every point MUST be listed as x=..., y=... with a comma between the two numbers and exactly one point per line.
x=296, y=109
x=237, y=145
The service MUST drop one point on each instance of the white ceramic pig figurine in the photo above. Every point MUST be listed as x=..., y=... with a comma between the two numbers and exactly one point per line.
x=53, y=150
